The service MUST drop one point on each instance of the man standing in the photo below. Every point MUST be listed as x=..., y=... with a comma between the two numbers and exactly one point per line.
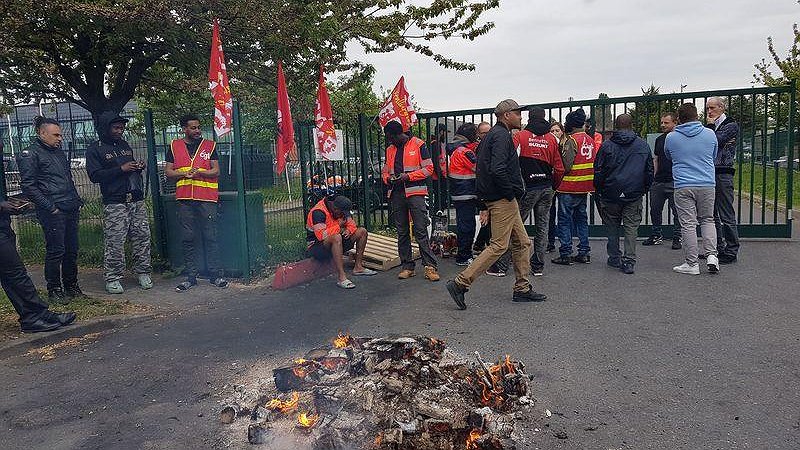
x=406, y=172
x=331, y=231
x=727, y=131
x=194, y=164
x=663, y=188
x=34, y=315
x=623, y=173
x=500, y=186
x=542, y=170
x=578, y=153
x=462, y=188
x=693, y=149
x=483, y=130
x=46, y=179
x=110, y=163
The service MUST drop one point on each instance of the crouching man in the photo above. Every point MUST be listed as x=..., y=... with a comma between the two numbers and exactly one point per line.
x=331, y=232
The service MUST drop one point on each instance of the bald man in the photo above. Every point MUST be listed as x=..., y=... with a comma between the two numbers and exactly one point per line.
x=727, y=131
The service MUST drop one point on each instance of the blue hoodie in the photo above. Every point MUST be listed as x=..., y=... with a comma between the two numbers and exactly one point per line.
x=692, y=149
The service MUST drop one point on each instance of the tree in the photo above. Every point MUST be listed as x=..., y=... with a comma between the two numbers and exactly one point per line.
x=789, y=69
x=99, y=54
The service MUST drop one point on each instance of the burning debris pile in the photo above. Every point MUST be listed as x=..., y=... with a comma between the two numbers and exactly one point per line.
x=392, y=393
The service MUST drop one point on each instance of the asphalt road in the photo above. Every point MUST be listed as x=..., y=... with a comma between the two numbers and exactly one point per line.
x=655, y=360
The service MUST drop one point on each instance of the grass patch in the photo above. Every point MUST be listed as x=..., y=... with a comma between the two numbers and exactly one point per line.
x=763, y=183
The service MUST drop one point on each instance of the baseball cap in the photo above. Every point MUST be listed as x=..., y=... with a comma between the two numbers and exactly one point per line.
x=506, y=106
x=343, y=204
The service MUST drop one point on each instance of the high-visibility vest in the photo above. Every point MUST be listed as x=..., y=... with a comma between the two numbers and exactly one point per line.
x=442, y=162
x=598, y=140
x=580, y=178
x=321, y=231
x=418, y=169
x=462, y=173
x=199, y=188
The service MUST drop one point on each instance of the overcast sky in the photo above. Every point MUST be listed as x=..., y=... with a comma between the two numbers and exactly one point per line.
x=542, y=51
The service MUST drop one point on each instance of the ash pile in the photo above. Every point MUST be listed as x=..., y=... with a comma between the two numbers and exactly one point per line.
x=389, y=393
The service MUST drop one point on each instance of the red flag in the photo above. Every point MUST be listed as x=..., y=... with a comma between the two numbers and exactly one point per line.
x=398, y=107
x=323, y=116
x=285, y=145
x=219, y=87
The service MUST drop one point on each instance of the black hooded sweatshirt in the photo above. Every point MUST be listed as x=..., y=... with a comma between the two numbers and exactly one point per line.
x=104, y=160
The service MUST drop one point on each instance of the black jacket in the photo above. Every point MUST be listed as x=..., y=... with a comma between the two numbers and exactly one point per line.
x=623, y=169
x=104, y=160
x=46, y=178
x=497, y=171
x=726, y=132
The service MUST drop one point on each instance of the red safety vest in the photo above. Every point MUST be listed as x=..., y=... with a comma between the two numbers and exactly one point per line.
x=462, y=173
x=580, y=178
x=200, y=188
x=321, y=231
x=418, y=169
x=598, y=140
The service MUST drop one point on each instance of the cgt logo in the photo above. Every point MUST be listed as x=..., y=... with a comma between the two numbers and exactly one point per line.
x=586, y=149
x=205, y=155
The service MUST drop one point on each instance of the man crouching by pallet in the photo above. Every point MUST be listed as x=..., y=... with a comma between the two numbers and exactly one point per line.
x=331, y=232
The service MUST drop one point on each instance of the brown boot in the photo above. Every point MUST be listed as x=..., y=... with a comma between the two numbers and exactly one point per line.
x=431, y=273
x=405, y=274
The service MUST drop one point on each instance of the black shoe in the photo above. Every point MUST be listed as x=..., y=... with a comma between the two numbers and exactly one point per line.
x=185, y=286
x=74, y=291
x=727, y=259
x=219, y=282
x=528, y=296
x=550, y=248
x=56, y=296
x=653, y=240
x=676, y=244
x=40, y=326
x=614, y=262
x=477, y=249
x=457, y=294
x=537, y=271
x=583, y=259
x=496, y=271
x=562, y=260
x=60, y=318
x=627, y=267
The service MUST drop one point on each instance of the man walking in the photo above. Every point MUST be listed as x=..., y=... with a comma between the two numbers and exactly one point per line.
x=406, y=172
x=110, y=163
x=727, y=131
x=34, y=315
x=578, y=153
x=462, y=188
x=693, y=149
x=193, y=163
x=623, y=173
x=500, y=186
x=46, y=179
x=663, y=188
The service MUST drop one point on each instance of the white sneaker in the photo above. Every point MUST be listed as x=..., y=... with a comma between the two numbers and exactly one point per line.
x=713, y=264
x=687, y=269
x=114, y=287
x=145, y=281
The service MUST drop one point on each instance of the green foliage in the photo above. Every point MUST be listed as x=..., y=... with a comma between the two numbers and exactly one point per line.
x=100, y=54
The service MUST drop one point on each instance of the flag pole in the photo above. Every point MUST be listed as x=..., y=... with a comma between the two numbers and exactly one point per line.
x=288, y=185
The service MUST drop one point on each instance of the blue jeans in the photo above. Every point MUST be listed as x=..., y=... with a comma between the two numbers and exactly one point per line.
x=572, y=214
x=465, y=227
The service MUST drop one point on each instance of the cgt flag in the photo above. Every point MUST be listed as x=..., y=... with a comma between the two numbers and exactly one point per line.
x=285, y=145
x=323, y=117
x=398, y=107
x=219, y=87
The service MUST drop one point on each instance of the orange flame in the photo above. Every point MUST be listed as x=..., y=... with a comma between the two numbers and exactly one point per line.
x=343, y=340
x=303, y=367
x=307, y=420
x=472, y=439
x=284, y=406
x=492, y=394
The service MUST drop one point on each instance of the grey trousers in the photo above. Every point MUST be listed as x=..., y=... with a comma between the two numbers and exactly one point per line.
x=417, y=208
x=693, y=204
x=621, y=220
x=725, y=216
x=538, y=201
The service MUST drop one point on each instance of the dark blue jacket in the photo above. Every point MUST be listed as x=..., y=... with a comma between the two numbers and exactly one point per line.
x=623, y=169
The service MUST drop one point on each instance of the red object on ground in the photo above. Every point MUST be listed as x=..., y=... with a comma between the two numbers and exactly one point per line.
x=300, y=272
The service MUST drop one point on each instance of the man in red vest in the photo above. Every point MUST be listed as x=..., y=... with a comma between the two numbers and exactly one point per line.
x=331, y=231
x=194, y=165
x=578, y=153
x=407, y=169
x=462, y=188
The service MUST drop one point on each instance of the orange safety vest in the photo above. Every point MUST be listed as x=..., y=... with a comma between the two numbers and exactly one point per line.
x=580, y=178
x=462, y=173
x=200, y=188
x=418, y=169
x=320, y=231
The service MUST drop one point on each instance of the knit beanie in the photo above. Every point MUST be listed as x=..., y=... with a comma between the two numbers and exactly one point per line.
x=575, y=119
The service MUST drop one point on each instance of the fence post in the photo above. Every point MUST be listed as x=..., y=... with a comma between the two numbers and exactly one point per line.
x=3, y=172
x=244, y=249
x=155, y=189
x=790, y=151
x=302, y=160
x=365, y=169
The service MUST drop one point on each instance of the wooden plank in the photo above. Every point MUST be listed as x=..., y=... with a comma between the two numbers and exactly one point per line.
x=381, y=252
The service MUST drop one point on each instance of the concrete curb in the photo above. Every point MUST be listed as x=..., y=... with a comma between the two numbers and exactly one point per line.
x=22, y=345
